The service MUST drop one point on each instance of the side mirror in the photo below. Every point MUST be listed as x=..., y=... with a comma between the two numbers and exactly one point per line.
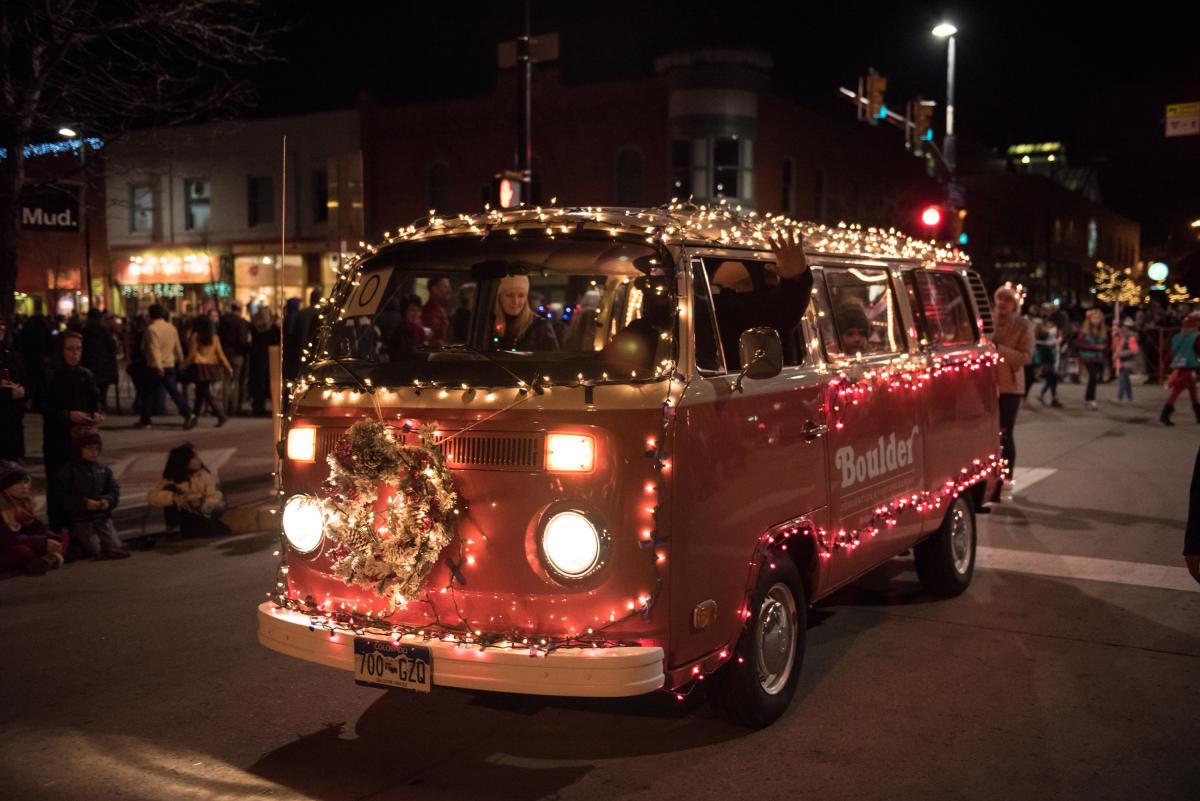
x=761, y=353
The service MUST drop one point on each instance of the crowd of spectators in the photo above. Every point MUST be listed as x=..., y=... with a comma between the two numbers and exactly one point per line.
x=75, y=370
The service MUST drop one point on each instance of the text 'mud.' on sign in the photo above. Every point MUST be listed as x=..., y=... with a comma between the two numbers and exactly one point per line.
x=49, y=207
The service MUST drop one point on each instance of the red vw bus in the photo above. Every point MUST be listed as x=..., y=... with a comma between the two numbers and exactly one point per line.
x=570, y=451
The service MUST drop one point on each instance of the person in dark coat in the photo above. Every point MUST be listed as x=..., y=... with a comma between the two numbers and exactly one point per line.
x=72, y=405
x=304, y=324
x=234, y=333
x=34, y=345
x=291, y=350
x=100, y=354
x=264, y=335
x=1191, y=536
x=89, y=494
x=12, y=399
x=744, y=298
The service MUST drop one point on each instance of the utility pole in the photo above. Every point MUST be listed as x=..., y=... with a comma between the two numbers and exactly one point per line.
x=525, y=109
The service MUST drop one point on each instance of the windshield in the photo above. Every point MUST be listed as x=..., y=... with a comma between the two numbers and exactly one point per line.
x=497, y=312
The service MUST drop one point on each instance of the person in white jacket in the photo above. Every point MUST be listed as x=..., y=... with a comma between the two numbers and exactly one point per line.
x=163, y=352
x=189, y=495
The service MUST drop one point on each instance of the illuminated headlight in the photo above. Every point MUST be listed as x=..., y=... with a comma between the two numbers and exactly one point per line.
x=302, y=444
x=570, y=453
x=572, y=545
x=303, y=523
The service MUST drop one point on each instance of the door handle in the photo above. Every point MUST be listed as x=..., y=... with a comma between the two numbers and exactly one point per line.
x=813, y=432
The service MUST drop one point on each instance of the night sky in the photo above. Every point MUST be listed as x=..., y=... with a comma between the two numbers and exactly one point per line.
x=1095, y=79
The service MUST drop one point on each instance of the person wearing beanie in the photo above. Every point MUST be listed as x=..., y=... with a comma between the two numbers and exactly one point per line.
x=854, y=329
x=26, y=544
x=1185, y=360
x=516, y=326
x=89, y=494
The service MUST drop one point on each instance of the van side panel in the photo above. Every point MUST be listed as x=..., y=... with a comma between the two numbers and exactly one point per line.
x=744, y=462
x=960, y=414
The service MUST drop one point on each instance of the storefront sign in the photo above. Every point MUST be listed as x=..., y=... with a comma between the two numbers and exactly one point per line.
x=49, y=208
x=167, y=268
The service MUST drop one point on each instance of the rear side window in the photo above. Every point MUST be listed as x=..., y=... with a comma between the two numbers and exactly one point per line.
x=941, y=306
x=862, y=318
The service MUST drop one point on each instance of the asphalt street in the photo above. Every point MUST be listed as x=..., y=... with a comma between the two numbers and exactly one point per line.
x=1070, y=669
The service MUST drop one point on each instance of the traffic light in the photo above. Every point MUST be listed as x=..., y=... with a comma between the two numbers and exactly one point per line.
x=876, y=86
x=872, y=88
x=931, y=217
x=921, y=115
x=506, y=190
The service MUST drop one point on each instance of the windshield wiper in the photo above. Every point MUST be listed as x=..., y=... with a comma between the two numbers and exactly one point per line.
x=535, y=384
x=340, y=362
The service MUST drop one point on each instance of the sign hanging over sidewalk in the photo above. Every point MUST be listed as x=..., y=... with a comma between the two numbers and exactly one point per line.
x=50, y=207
x=1183, y=119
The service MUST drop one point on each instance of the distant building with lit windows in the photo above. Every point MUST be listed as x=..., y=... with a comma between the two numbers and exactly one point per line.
x=196, y=212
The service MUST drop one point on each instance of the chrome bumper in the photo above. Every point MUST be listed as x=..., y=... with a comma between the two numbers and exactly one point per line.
x=580, y=672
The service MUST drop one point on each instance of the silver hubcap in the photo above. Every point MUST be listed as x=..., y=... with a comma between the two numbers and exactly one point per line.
x=775, y=638
x=961, y=535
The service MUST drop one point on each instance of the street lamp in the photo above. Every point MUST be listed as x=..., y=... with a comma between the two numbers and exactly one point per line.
x=69, y=133
x=947, y=31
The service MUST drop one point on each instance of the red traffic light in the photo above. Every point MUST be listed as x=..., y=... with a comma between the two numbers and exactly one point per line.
x=931, y=216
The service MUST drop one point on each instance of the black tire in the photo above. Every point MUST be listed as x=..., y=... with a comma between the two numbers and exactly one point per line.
x=757, y=684
x=946, y=561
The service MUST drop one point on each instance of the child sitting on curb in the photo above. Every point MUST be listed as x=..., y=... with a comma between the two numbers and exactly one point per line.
x=189, y=495
x=26, y=544
x=89, y=494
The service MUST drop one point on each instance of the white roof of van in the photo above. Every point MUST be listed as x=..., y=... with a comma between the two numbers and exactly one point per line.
x=719, y=226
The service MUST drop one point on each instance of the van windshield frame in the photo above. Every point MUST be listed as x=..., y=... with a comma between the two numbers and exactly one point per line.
x=600, y=309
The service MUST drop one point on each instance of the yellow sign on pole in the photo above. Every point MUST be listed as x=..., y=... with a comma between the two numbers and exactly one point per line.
x=1183, y=119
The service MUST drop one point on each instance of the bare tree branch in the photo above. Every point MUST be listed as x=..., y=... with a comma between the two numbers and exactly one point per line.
x=105, y=67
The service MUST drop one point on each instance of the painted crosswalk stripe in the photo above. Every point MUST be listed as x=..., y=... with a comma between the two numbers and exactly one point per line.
x=1086, y=568
x=1026, y=477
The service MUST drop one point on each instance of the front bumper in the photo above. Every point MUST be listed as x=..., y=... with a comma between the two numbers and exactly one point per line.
x=580, y=672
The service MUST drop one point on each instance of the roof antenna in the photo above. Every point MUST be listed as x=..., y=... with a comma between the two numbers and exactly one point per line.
x=277, y=361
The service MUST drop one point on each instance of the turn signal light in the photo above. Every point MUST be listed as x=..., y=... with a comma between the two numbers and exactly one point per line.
x=570, y=453
x=302, y=444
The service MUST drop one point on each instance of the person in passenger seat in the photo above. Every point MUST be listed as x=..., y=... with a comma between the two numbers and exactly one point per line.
x=745, y=296
x=853, y=328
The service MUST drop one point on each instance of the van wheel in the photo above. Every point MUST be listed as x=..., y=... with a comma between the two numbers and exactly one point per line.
x=946, y=561
x=756, y=686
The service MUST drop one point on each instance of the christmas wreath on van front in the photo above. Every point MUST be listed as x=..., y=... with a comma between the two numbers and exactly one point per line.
x=393, y=547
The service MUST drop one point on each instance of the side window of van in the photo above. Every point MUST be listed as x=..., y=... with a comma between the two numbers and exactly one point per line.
x=864, y=313
x=708, y=346
x=941, y=307
x=738, y=277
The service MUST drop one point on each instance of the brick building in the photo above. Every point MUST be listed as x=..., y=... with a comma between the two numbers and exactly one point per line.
x=705, y=125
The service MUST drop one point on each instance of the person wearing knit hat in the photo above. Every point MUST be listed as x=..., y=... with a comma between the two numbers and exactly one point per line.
x=89, y=493
x=516, y=325
x=26, y=544
x=854, y=328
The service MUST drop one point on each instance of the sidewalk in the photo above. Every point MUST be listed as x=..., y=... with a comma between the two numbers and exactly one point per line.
x=240, y=453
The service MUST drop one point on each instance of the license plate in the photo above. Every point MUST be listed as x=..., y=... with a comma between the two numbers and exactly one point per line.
x=386, y=664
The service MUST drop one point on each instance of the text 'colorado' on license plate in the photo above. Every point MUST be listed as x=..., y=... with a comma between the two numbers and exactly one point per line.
x=386, y=664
